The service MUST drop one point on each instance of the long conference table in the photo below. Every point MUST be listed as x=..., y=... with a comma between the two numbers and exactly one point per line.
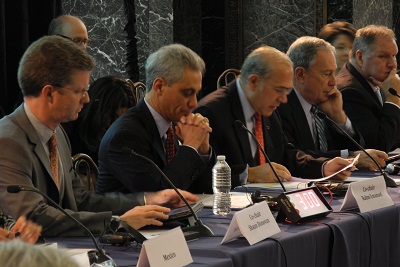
x=341, y=239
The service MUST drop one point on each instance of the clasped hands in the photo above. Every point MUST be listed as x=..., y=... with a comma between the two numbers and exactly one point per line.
x=194, y=130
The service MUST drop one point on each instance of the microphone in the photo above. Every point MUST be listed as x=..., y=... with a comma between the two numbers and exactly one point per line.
x=392, y=168
x=101, y=256
x=198, y=226
x=394, y=92
x=238, y=123
x=389, y=181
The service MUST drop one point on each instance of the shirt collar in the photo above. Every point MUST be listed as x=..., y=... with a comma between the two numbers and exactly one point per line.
x=42, y=130
x=248, y=110
x=306, y=106
x=162, y=124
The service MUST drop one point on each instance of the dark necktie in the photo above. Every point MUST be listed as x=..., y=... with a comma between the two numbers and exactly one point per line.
x=53, y=155
x=258, y=131
x=320, y=127
x=169, y=145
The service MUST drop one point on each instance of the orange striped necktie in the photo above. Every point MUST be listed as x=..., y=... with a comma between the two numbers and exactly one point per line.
x=259, y=135
x=169, y=145
x=53, y=155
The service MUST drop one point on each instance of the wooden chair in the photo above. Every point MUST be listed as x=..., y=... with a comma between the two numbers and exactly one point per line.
x=87, y=170
x=138, y=89
x=227, y=76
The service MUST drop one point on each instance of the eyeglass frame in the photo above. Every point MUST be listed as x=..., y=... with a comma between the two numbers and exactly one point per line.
x=78, y=41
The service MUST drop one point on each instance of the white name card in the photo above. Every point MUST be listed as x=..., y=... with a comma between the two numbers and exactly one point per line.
x=369, y=194
x=160, y=251
x=255, y=223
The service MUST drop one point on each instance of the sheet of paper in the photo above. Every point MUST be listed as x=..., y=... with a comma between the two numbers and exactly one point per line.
x=239, y=200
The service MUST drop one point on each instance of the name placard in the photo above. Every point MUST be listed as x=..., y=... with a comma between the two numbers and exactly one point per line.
x=160, y=251
x=255, y=223
x=369, y=194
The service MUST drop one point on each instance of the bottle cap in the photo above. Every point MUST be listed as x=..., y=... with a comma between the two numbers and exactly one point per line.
x=220, y=157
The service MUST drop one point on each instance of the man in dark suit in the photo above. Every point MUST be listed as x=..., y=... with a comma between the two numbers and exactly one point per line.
x=265, y=81
x=364, y=83
x=54, y=75
x=315, y=88
x=173, y=78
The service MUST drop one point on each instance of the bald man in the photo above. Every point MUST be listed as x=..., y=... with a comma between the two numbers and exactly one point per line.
x=71, y=28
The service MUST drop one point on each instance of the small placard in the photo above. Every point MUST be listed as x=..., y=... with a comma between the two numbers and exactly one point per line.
x=160, y=251
x=369, y=194
x=255, y=223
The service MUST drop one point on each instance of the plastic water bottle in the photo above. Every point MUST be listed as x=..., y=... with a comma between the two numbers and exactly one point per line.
x=221, y=174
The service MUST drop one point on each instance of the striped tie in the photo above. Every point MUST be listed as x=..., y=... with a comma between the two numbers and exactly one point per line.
x=53, y=155
x=169, y=145
x=320, y=127
x=258, y=131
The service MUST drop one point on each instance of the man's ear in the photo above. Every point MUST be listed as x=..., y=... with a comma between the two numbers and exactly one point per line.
x=253, y=80
x=359, y=57
x=158, y=86
x=299, y=74
x=47, y=91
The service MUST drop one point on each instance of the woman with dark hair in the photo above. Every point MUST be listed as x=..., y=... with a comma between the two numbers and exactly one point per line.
x=110, y=97
x=341, y=35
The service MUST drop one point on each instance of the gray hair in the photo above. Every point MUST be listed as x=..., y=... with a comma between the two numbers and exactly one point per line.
x=303, y=51
x=261, y=62
x=17, y=253
x=169, y=62
x=365, y=38
x=51, y=60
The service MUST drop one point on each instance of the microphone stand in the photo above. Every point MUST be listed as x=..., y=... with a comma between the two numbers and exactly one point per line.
x=101, y=257
x=198, y=226
x=389, y=181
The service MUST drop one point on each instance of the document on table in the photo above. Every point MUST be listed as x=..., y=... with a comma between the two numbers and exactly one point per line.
x=294, y=183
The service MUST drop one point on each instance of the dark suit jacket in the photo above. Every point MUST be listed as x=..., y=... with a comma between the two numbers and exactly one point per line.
x=295, y=127
x=222, y=107
x=379, y=125
x=23, y=161
x=137, y=130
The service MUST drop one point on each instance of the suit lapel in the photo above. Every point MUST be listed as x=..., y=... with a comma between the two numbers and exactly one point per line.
x=300, y=121
x=364, y=84
x=22, y=120
x=151, y=126
x=243, y=136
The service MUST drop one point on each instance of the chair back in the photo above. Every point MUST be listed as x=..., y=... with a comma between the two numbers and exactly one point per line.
x=138, y=89
x=87, y=170
x=227, y=76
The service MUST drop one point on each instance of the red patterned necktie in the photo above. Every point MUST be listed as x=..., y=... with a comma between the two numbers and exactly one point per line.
x=169, y=145
x=259, y=135
x=53, y=155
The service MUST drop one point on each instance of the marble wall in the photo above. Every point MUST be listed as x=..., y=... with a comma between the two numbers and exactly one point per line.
x=276, y=23
x=223, y=32
x=105, y=22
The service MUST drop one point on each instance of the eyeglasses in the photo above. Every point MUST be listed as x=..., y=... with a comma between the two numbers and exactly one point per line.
x=78, y=41
x=82, y=92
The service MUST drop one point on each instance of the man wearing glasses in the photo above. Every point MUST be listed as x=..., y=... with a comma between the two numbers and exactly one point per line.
x=71, y=28
x=265, y=81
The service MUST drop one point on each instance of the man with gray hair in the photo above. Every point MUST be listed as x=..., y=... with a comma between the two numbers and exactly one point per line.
x=315, y=91
x=162, y=128
x=265, y=81
x=365, y=82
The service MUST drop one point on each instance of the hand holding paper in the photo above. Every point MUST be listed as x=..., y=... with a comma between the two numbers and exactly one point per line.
x=339, y=168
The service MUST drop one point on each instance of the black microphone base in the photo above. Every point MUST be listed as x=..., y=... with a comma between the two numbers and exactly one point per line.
x=389, y=181
x=200, y=228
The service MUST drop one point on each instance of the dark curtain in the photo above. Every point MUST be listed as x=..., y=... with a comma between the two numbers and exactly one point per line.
x=132, y=63
x=21, y=23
